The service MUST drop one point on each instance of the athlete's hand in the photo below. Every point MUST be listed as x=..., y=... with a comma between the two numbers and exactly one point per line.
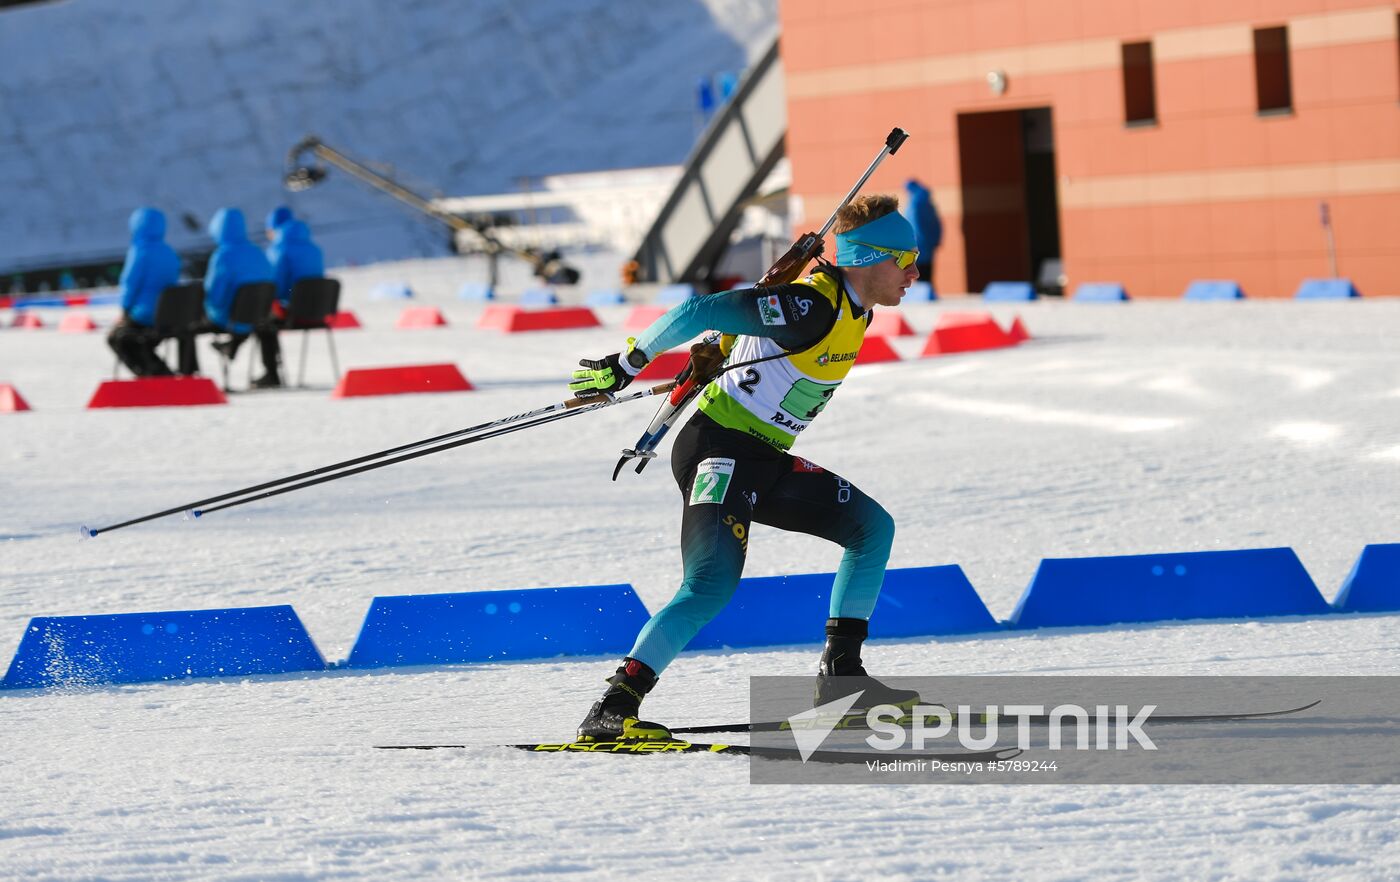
x=611, y=373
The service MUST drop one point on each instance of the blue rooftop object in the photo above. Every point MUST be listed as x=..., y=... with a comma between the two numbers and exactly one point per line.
x=1100, y=292
x=673, y=294
x=476, y=291
x=1213, y=289
x=391, y=291
x=539, y=297
x=1326, y=289
x=920, y=292
x=605, y=297
x=1008, y=292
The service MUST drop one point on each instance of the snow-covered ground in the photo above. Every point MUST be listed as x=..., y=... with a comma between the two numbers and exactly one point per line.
x=1120, y=429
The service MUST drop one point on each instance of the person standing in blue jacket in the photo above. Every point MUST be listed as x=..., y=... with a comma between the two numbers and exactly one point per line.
x=293, y=257
x=928, y=227
x=237, y=262
x=151, y=266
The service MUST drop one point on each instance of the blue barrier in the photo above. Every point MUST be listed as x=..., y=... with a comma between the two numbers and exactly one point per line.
x=1008, y=292
x=1161, y=587
x=539, y=297
x=1213, y=289
x=145, y=647
x=776, y=610
x=673, y=294
x=1099, y=292
x=391, y=291
x=1374, y=582
x=426, y=629
x=476, y=291
x=920, y=292
x=1326, y=289
x=605, y=297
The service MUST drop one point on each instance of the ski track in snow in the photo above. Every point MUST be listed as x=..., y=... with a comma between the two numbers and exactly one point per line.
x=1257, y=424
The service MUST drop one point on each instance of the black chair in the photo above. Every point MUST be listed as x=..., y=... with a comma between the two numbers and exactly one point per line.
x=179, y=315
x=313, y=302
x=252, y=305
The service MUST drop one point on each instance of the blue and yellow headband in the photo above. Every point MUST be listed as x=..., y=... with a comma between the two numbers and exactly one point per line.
x=890, y=231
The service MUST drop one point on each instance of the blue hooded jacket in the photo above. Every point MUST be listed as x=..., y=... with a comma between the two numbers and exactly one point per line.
x=234, y=263
x=928, y=229
x=151, y=266
x=277, y=217
x=293, y=256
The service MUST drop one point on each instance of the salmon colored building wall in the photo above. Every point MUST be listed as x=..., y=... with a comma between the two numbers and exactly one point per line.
x=1212, y=190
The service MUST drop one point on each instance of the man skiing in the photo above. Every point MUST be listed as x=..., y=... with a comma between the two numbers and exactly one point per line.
x=732, y=464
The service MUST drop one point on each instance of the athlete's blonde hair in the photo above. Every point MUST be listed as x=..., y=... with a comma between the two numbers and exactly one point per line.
x=864, y=209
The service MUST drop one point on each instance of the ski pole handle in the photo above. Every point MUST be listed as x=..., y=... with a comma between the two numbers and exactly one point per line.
x=660, y=389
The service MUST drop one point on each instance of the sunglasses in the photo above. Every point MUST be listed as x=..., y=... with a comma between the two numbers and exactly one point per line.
x=902, y=259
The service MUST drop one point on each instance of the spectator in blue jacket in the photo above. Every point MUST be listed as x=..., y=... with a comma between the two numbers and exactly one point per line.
x=293, y=256
x=237, y=262
x=928, y=228
x=151, y=266
x=276, y=218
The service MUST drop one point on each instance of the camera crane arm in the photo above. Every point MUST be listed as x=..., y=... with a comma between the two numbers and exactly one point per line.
x=302, y=175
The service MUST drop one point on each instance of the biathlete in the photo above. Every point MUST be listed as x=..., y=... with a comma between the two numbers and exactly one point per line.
x=732, y=464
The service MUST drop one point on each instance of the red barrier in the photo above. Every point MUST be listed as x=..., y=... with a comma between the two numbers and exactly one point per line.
x=420, y=317
x=965, y=332
x=888, y=323
x=641, y=317
x=27, y=320
x=76, y=323
x=342, y=320
x=875, y=350
x=513, y=319
x=400, y=380
x=157, y=392
x=497, y=317
x=666, y=365
x=5, y=302
x=10, y=399
x=1018, y=331
x=75, y=300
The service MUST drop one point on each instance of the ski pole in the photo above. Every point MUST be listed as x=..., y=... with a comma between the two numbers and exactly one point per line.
x=491, y=429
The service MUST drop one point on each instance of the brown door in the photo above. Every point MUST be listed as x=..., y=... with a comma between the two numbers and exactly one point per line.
x=1010, y=216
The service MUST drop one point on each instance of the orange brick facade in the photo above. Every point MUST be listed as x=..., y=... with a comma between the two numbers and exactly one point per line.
x=1213, y=189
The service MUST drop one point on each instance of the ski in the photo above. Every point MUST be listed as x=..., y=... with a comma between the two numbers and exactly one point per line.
x=857, y=720
x=646, y=748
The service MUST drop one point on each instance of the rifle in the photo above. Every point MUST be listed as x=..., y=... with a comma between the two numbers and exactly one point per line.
x=707, y=357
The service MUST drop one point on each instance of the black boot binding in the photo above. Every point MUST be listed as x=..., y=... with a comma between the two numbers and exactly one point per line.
x=614, y=716
x=842, y=673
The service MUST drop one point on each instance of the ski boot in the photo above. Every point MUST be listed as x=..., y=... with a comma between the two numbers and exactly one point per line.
x=841, y=672
x=614, y=716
